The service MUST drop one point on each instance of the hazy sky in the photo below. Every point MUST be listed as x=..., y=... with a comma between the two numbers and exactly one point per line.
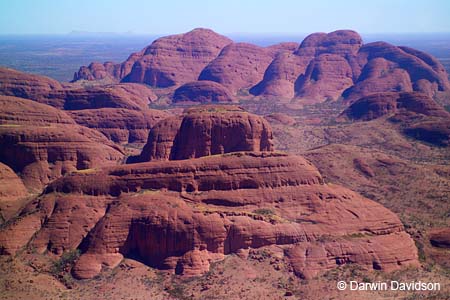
x=230, y=16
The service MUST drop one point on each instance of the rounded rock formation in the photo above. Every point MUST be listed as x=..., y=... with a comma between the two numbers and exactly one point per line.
x=207, y=130
x=176, y=59
x=381, y=104
x=239, y=66
x=202, y=92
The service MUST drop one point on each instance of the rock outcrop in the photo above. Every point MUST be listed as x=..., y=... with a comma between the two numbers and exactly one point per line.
x=321, y=68
x=387, y=68
x=382, y=104
x=208, y=207
x=129, y=96
x=168, y=61
x=440, y=238
x=414, y=114
x=119, y=111
x=435, y=132
x=239, y=66
x=205, y=203
x=326, y=77
x=280, y=76
x=12, y=189
x=16, y=111
x=120, y=125
x=39, y=88
x=42, y=143
x=207, y=130
x=73, y=97
x=202, y=92
x=326, y=66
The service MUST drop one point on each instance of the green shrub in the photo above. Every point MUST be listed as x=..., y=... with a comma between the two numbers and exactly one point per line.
x=65, y=262
x=264, y=211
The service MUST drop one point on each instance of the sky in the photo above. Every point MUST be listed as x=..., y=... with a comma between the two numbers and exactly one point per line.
x=226, y=17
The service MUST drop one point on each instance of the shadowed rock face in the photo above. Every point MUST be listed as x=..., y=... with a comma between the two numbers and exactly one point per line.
x=326, y=66
x=417, y=115
x=435, y=132
x=207, y=130
x=202, y=92
x=381, y=104
x=440, y=238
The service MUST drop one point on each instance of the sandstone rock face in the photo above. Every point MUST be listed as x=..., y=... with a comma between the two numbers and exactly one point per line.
x=207, y=130
x=327, y=76
x=18, y=111
x=202, y=92
x=326, y=66
x=380, y=104
x=160, y=140
x=42, y=143
x=280, y=118
x=18, y=233
x=278, y=171
x=321, y=68
x=238, y=66
x=309, y=259
x=183, y=214
x=10, y=184
x=51, y=92
x=380, y=75
x=43, y=153
x=280, y=76
x=333, y=67
x=12, y=189
x=68, y=222
x=175, y=59
x=99, y=71
x=400, y=69
x=340, y=42
x=119, y=111
x=440, y=238
x=435, y=132
x=119, y=125
x=130, y=96
x=209, y=207
x=28, y=86
x=282, y=47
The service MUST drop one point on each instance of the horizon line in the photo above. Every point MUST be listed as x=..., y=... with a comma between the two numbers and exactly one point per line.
x=92, y=33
